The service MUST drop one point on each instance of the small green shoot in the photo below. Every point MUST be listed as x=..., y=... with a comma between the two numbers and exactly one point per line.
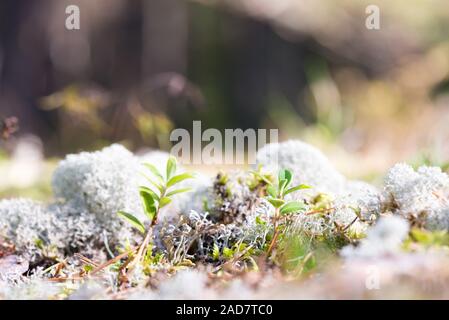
x=276, y=196
x=154, y=201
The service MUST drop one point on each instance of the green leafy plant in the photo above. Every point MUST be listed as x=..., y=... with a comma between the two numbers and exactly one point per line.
x=426, y=239
x=276, y=196
x=154, y=201
x=299, y=253
x=260, y=178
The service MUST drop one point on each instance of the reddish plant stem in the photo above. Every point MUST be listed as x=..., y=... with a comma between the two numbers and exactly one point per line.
x=276, y=232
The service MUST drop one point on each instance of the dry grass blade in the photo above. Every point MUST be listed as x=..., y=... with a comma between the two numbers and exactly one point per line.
x=86, y=260
x=319, y=211
x=64, y=279
x=112, y=261
x=233, y=260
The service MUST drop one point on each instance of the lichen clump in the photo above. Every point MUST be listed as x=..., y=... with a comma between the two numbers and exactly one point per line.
x=384, y=238
x=422, y=196
x=307, y=163
x=227, y=225
x=89, y=188
x=101, y=182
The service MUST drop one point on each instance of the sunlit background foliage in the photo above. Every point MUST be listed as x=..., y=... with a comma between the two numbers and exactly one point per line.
x=137, y=69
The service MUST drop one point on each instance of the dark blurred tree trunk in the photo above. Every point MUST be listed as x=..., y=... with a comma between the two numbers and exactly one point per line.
x=24, y=64
x=240, y=62
x=235, y=61
x=164, y=37
x=264, y=65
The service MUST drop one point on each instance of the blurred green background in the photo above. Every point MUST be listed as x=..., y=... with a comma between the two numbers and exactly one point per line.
x=137, y=69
